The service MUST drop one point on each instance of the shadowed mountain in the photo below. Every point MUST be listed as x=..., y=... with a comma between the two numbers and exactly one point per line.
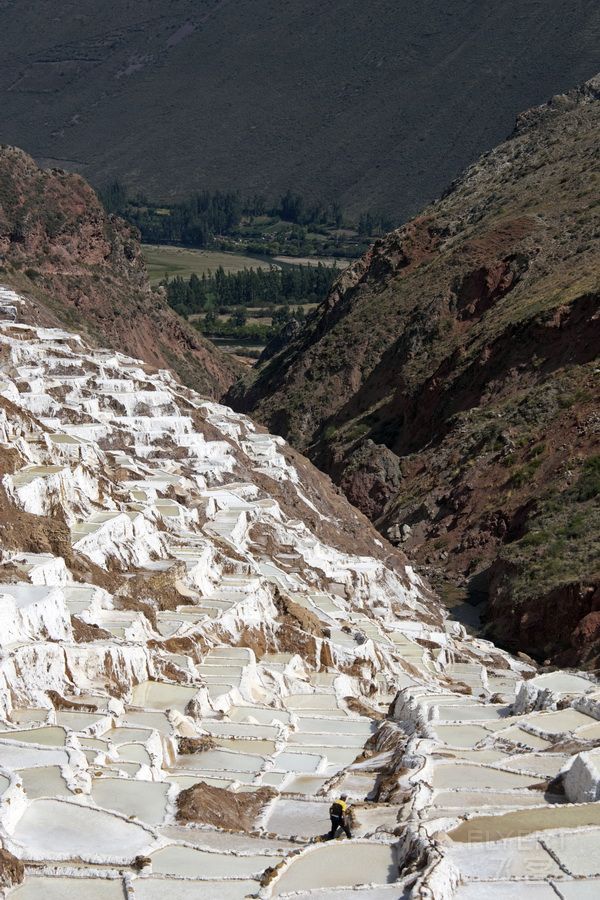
x=378, y=104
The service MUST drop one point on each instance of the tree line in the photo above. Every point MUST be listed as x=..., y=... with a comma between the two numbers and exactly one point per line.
x=250, y=287
x=205, y=215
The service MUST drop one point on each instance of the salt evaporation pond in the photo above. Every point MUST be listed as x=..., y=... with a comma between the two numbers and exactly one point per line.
x=44, y=782
x=526, y=821
x=51, y=828
x=36, y=888
x=338, y=864
x=159, y=888
x=50, y=736
x=146, y=800
x=192, y=863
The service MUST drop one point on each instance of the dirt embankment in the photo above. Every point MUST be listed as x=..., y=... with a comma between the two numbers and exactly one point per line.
x=209, y=805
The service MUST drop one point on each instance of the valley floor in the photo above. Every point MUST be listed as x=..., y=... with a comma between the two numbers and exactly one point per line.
x=188, y=684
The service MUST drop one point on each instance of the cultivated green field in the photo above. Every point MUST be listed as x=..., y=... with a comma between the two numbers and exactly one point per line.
x=164, y=261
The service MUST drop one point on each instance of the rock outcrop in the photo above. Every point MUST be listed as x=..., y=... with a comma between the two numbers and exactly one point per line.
x=449, y=383
x=82, y=268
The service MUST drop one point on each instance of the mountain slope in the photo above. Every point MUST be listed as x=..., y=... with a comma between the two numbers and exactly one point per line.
x=449, y=382
x=84, y=269
x=376, y=104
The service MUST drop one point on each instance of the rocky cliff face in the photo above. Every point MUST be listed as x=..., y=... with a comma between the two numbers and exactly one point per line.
x=449, y=382
x=83, y=268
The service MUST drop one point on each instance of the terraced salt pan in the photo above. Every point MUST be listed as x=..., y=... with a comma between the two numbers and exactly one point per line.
x=477, y=777
x=157, y=695
x=482, y=800
x=40, y=888
x=338, y=864
x=14, y=756
x=527, y=821
x=146, y=800
x=261, y=714
x=324, y=725
x=220, y=761
x=49, y=736
x=520, y=736
x=157, y=721
x=300, y=784
x=77, y=721
x=125, y=735
x=193, y=863
x=157, y=888
x=262, y=747
x=563, y=683
x=59, y=830
x=187, y=781
x=134, y=753
x=319, y=735
x=538, y=763
x=305, y=818
x=298, y=762
x=240, y=730
x=27, y=716
x=44, y=782
x=312, y=702
x=563, y=720
x=508, y=859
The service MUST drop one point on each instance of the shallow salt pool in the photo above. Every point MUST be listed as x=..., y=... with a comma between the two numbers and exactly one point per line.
x=306, y=818
x=362, y=727
x=301, y=784
x=124, y=735
x=158, y=695
x=50, y=736
x=526, y=821
x=155, y=720
x=220, y=761
x=312, y=702
x=44, y=782
x=259, y=746
x=461, y=735
x=192, y=863
x=15, y=757
x=338, y=864
x=36, y=888
x=264, y=715
x=159, y=888
x=77, y=721
x=144, y=799
x=450, y=775
x=297, y=762
x=25, y=716
x=134, y=753
x=57, y=830
x=562, y=720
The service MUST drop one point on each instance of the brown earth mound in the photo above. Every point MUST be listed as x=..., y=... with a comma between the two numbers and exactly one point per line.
x=216, y=806
x=12, y=870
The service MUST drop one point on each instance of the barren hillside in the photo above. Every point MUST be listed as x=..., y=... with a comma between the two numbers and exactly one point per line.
x=449, y=383
x=84, y=269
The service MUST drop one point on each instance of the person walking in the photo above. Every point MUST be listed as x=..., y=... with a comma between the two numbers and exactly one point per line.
x=338, y=813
